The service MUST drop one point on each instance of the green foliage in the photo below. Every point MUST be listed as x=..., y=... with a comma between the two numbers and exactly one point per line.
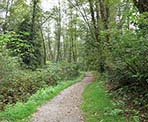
x=62, y=70
x=7, y=65
x=18, y=85
x=130, y=58
x=20, y=44
x=136, y=119
x=105, y=43
x=22, y=110
x=68, y=70
x=27, y=41
x=17, y=15
x=98, y=105
x=143, y=23
x=31, y=50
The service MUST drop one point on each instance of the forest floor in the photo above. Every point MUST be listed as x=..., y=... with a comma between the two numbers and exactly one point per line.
x=66, y=106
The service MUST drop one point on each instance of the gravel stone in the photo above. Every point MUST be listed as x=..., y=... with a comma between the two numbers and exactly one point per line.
x=66, y=106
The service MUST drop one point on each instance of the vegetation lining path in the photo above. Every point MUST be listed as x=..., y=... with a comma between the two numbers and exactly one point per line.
x=98, y=106
x=66, y=106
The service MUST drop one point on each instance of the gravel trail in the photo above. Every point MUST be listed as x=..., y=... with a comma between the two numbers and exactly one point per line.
x=66, y=106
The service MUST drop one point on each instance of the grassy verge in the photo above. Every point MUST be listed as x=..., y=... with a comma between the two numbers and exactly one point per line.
x=98, y=105
x=21, y=112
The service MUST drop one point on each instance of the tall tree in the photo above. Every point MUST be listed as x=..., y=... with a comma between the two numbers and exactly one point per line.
x=58, y=33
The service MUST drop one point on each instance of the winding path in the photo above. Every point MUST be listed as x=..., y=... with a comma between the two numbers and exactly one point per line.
x=66, y=106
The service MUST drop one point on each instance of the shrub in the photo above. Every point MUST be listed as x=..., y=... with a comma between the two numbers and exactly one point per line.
x=17, y=84
x=130, y=54
x=63, y=70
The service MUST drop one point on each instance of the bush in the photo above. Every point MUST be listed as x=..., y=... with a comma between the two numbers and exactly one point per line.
x=130, y=54
x=63, y=70
x=17, y=84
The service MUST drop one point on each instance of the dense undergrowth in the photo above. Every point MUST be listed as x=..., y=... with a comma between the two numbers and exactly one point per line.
x=127, y=71
x=17, y=84
x=22, y=111
x=129, y=62
x=133, y=99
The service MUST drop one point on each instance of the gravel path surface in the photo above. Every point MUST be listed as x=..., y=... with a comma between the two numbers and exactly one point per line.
x=66, y=106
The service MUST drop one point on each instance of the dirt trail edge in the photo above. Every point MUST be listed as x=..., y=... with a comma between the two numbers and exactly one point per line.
x=66, y=106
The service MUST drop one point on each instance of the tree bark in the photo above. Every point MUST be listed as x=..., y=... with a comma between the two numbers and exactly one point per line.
x=95, y=22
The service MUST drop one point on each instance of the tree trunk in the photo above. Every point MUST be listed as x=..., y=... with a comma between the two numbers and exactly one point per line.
x=94, y=21
x=59, y=34
x=44, y=47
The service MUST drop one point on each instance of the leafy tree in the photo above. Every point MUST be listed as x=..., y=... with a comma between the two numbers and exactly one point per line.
x=28, y=44
x=17, y=15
